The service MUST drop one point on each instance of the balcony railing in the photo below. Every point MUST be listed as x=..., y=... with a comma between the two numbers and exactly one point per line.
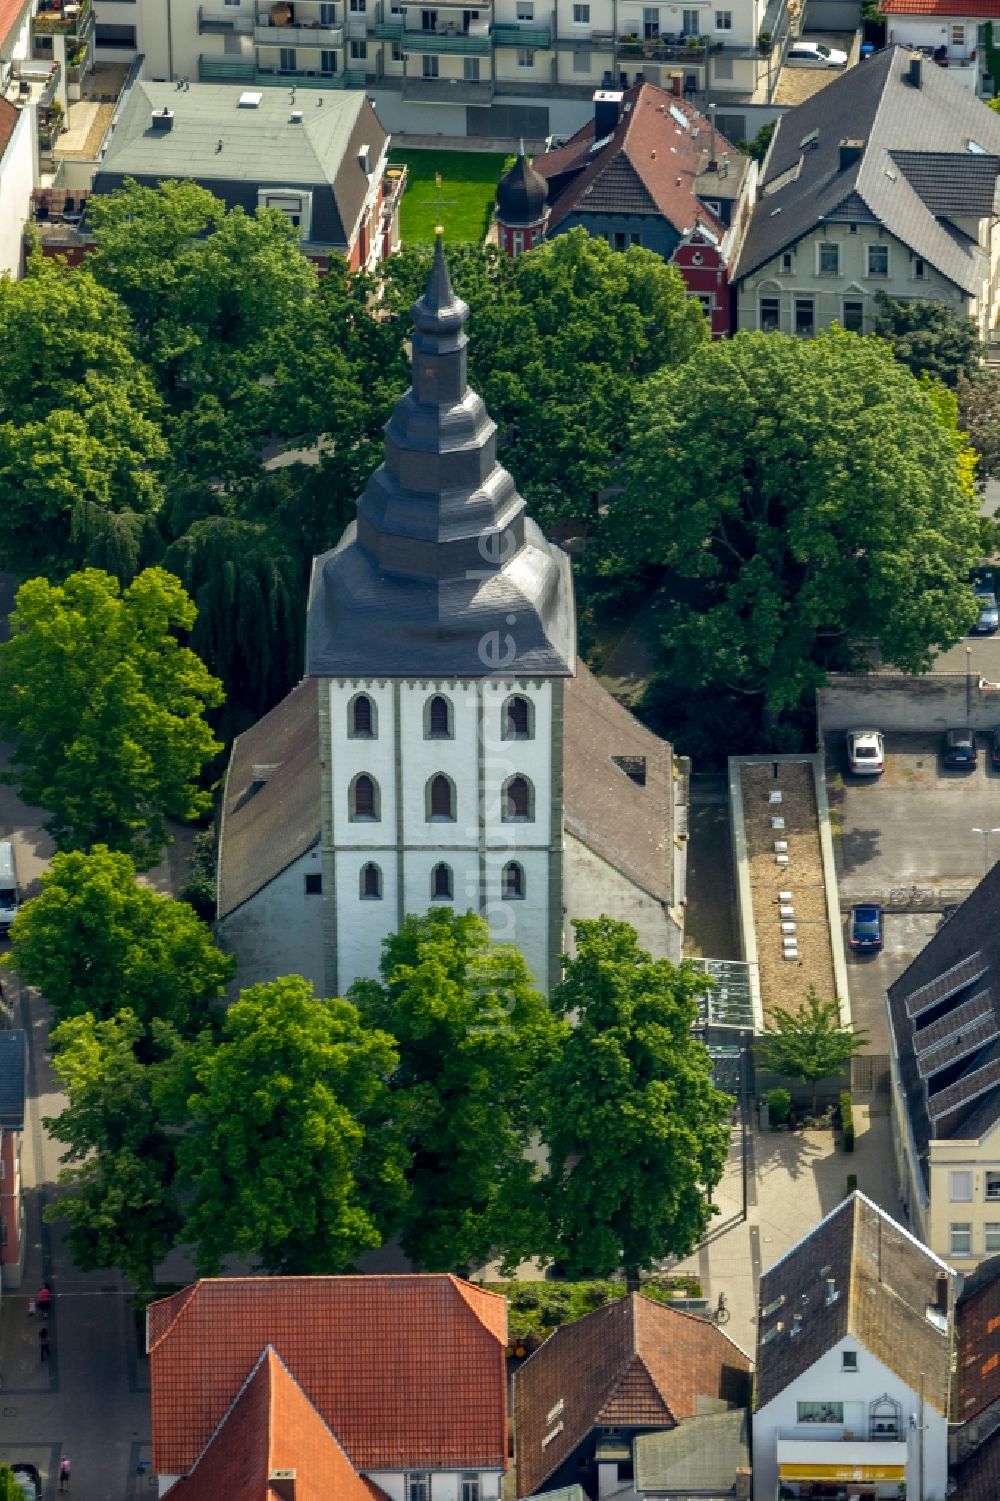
x=234, y=70
x=222, y=25
x=308, y=34
x=522, y=34
x=448, y=91
x=663, y=49
x=447, y=40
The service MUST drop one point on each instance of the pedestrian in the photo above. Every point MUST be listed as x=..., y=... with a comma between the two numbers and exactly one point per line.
x=43, y=1343
x=31, y=1308
x=64, y=1475
x=44, y=1298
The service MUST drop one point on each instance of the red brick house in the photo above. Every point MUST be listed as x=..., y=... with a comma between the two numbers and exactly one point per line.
x=378, y=1388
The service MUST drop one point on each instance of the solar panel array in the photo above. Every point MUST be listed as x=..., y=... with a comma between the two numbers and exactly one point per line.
x=964, y=1090
x=970, y=1026
x=972, y=968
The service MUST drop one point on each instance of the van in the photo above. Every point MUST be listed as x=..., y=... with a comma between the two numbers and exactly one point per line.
x=8, y=885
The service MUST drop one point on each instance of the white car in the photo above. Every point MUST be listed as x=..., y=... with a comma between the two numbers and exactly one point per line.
x=816, y=55
x=866, y=752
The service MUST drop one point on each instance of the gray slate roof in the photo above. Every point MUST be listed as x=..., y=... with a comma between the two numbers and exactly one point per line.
x=884, y=1279
x=700, y=1455
x=915, y=165
x=261, y=147
x=13, y=1065
x=974, y=929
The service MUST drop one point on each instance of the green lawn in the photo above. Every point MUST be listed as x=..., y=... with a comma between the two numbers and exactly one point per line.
x=463, y=202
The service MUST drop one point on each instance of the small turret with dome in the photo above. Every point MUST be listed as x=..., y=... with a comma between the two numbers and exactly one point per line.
x=522, y=206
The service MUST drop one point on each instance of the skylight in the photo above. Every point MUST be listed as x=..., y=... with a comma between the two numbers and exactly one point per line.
x=679, y=116
x=599, y=145
x=976, y=149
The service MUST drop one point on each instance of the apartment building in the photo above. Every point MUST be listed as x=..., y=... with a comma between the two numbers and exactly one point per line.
x=496, y=68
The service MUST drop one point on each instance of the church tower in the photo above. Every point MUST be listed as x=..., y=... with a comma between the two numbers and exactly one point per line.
x=521, y=207
x=440, y=633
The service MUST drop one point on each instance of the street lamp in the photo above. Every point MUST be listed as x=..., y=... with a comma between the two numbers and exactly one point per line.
x=986, y=838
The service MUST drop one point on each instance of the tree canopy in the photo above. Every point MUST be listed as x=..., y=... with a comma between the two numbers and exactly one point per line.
x=805, y=497
x=290, y=1152
x=929, y=338
x=94, y=940
x=472, y=1035
x=808, y=1043
x=108, y=708
x=636, y=1132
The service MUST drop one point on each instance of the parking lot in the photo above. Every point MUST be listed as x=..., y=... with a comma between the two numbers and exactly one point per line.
x=905, y=839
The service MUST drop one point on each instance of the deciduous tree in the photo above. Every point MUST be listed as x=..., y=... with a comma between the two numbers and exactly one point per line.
x=807, y=497
x=290, y=1154
x=108, y=708
x=809, y=1043
x=636, y=1132
x=929, y=338
x=472, y=1035
x=96, y=941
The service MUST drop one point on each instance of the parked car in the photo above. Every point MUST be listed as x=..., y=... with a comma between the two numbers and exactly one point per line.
x=865, y=752
x=865, y=934
x=816, y=55
x=958, y=749
x=995, y=749
x=989, y=614
x=27, y=1478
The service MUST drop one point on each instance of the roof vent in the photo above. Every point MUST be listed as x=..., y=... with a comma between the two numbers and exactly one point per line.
x=250, y=99
x=261, y=775
x=282, y=1483
x=634, y=768
x=295, y=117
x=850, y=152
x=162, y=119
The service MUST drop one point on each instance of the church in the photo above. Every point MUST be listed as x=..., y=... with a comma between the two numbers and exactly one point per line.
x=446, y=745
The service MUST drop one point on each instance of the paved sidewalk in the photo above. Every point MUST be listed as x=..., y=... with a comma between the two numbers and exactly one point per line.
x=90, y=1399
x=795, y=1178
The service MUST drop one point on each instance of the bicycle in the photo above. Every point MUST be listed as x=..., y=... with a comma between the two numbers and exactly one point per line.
x=720, y=1314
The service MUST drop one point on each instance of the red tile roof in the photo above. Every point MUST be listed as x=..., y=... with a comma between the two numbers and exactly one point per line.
x=980, y=10
x=635, y=1363
x=9, y=117
x=648, y=143
x=408, y=1372
x=272, y=1426
x=10, y=13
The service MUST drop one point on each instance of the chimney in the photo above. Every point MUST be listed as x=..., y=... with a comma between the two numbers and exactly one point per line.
x=850, y=152
x=607, y=111
x=713, y=165
x=831, y=1291
x=365, y=160
x=913, y=76
x=941, y=1294
x=162, y=119
x=295, y=117
x=282, y=1483
x=677, y=85
x=796, y=1324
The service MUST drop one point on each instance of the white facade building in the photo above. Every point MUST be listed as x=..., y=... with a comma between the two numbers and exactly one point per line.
x=446, y=747
x=854, y=1363
x=17, y=160
x=949, y=32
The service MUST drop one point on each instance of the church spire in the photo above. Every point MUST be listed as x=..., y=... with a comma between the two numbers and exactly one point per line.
x=439, y=310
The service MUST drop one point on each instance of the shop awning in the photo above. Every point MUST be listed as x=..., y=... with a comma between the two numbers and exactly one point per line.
x=862, y=1473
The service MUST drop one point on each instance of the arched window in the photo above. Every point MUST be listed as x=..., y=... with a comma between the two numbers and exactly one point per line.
x=362, y=721
x=512, y=884
x=441, y=884
x=371, y=882
x=437, y=719
x=363, y=800
x=440, y=799
x=518, y=721
x=516, y=800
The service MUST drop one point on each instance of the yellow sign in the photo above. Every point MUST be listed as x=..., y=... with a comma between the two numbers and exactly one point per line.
x=842, y=1472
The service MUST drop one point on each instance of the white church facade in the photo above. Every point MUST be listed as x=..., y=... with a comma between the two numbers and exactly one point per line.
x=445, y=745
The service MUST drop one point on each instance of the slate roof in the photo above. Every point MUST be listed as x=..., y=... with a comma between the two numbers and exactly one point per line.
x=652, y=164
x=635, y=1363
x=701, y=1455
x=406, y=1372
x=263, y=831
x=979, y=10
x=884, y=1280
x=261, y=147
x=928, y=129
x=272, y=1426
x=963, y=961
x=13, y=1069
x=629, y=826
x=977, y=1321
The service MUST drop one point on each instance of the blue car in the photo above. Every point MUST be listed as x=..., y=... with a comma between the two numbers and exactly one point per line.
x=866, y=928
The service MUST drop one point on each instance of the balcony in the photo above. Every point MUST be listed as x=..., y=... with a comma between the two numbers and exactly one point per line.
x=213, y=24
x=74, y=22
x=448, y=91
x=307, y=34
x=450, y=39
x=235, y=70
x=664, y=49
x=522, y=34
x=389, y=31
